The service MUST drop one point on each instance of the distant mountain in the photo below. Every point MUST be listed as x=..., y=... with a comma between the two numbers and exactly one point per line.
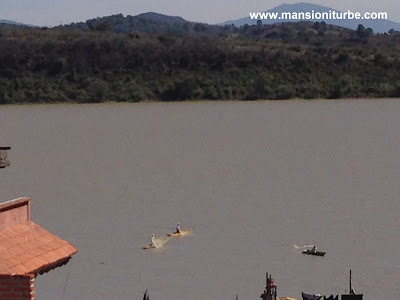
x=2, y=21
x=9, y=22
x=161, y=18
x=378, y=26
x=162, y=24
x=150, y=22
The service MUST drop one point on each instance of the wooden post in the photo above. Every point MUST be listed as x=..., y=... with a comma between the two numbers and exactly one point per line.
x=350, y=288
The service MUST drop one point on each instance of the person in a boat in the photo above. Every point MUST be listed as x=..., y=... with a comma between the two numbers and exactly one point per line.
x=152, y=240
x=178, y=228
x=314, y=249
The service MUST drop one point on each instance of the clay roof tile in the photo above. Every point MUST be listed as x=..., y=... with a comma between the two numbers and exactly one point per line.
x=29, y=248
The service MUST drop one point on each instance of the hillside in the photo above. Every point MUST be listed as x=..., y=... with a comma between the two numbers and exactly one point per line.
x=2, y=21
x=148, y=22
x=162, y=18
x=290, y=60
x=8, y=23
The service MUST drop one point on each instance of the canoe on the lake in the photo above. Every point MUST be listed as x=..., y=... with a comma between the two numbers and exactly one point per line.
x=182, y=232
x=157, y=242
x=312, y=252
x=306, y=296
x=148, y=247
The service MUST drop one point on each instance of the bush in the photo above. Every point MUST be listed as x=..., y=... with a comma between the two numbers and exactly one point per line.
x=285, y=92
x=97, y=91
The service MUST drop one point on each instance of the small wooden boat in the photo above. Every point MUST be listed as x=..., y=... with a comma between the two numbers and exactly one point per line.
x=157, y=242
x=306, y=296
x=148, y=247
x=181, y=233
x=313, y=252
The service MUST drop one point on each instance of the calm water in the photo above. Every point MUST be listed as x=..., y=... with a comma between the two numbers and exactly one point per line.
x=250, y=179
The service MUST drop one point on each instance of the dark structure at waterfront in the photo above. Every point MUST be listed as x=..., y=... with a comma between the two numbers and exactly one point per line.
x=4, y=162
x=270, y=289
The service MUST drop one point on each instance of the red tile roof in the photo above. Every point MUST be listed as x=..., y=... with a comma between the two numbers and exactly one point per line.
x=30, y=249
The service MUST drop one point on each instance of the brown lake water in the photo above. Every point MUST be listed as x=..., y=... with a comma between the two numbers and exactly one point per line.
x=249, y=178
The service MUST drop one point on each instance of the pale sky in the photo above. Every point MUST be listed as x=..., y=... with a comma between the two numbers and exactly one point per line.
x=55, y=12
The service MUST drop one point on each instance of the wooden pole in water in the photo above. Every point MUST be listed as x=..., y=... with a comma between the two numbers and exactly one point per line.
x=350, y=290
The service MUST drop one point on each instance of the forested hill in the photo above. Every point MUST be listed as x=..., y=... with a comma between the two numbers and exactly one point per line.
x=290, y=60
x=148, y=22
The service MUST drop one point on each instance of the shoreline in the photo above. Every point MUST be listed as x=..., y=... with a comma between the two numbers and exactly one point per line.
x=111, y=102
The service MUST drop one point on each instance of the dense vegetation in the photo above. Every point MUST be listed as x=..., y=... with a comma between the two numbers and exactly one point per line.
x=291, y=60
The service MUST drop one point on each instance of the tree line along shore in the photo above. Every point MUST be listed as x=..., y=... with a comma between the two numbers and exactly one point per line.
x=289, y=60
